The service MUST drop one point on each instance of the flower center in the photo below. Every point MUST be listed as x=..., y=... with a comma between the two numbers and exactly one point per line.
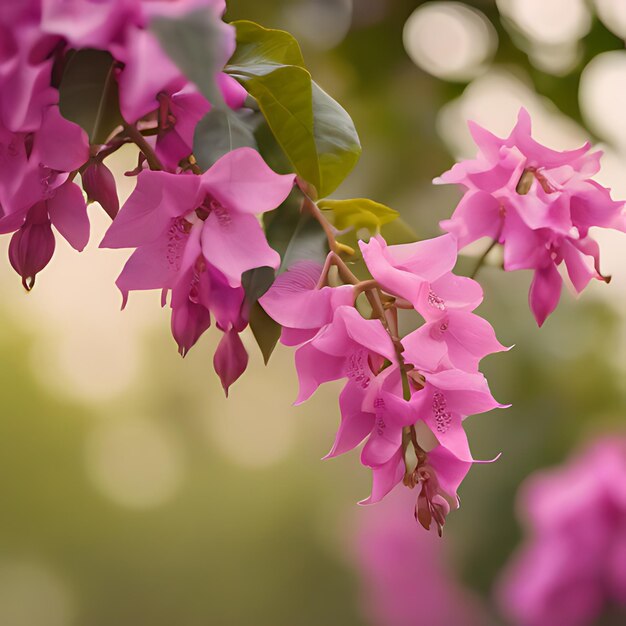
x=358, y=368
x=443, y=418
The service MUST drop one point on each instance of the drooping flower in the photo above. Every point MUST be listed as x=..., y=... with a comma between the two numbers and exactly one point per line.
x=405, y=393
x=194, y=237
x=36, y=191
x=421, y=273
x=538, y=203
x=572, y=565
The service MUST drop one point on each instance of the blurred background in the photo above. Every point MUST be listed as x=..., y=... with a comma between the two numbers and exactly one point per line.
x=134, y=493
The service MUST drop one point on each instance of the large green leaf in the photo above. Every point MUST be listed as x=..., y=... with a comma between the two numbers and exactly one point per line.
x=336, y=140
x=196, y=44
x=219, y=132
x=359, y=213
x=88, y=94
x=314, y=131
x=258, y=46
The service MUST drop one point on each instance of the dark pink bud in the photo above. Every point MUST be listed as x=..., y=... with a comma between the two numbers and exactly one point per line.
x=231, y=359
x=32, y=246
x=99, y=183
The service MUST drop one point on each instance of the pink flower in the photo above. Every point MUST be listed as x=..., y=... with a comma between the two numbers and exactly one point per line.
x=300, y=305
x=405, y=576
x=421, y=274
x=349, y=347
x=36, y=190
x=539, y=204
x=573, y=563
x=194, y=237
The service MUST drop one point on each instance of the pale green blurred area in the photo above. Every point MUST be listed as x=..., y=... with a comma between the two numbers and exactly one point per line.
x=134, y=493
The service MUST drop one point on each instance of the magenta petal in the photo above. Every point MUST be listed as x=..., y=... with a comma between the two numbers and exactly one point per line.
x=294, y=300
x=157, y=198
x=385, y=478
x=296, y=336
x=314, y=368
x=355, y=423
x=423, y=350
x=139, y=83
x=234, y=94
x=538, y=155
x=241, y=181
x=68, y=214
x=230, y=359
x=473, y=338
x=393, y=277
x=392, y=414
x=60, y=144
x=579, y=270
x=234, y=243
x=545, y=292
x=450, y=469
x=467, y=393
x=158, y=265
x=477, y=215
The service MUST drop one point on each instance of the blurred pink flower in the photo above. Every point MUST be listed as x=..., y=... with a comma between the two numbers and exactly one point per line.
x=538, y=203
x=573, y=563
x=406, y=578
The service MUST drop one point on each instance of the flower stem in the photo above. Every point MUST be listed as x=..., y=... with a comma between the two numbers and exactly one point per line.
x=139, y=140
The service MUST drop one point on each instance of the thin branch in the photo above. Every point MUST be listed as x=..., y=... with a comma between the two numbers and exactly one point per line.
x=139, y=140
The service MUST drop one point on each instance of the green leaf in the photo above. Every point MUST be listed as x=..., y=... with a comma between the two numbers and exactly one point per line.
x=265, y=330
x=256, y=282
x=88, y=94
x=359, y=213
x=258, y=46
x=314, y=131
x=219, y=132
x=336, y=140
x=196, y=44
x=285, y=99
x=308, y=242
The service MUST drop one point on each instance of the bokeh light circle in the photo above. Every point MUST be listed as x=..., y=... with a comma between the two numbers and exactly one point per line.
x=449, y=40
x=603, y=97
x=552, y=22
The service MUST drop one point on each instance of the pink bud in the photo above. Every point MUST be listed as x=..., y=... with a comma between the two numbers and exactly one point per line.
x=32, y=246
x=99, y=183
x=231, y=359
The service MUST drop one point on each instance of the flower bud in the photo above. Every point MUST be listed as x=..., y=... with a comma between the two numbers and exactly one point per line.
x=231, y=359
x=32, y=246
x=99, y=183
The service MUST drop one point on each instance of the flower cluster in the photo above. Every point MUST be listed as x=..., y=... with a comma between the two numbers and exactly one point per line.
x=407, y=397
x=194, y=237
x=538, y=203
x=41, y=152
x=573, y=565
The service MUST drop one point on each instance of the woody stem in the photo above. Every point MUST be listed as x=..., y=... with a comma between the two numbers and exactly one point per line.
x=139, y=140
